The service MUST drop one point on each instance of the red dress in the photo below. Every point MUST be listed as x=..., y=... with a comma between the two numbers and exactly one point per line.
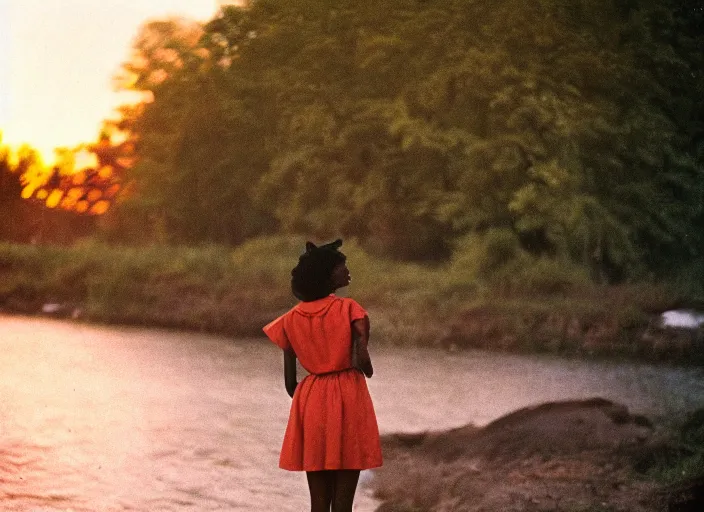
x=332, y=424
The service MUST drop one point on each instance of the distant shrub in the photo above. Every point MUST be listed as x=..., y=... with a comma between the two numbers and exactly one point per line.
x=496, y=259
x=501, y=246
x=541, y=276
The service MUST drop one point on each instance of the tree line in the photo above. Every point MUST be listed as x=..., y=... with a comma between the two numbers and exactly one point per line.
x=569, y=129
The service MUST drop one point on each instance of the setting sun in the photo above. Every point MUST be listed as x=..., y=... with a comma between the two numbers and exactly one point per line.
x=57, y=62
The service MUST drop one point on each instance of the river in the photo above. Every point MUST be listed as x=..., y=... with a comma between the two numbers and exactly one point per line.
x=97, y=418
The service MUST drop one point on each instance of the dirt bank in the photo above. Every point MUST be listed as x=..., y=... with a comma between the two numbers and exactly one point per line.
x=591, y=455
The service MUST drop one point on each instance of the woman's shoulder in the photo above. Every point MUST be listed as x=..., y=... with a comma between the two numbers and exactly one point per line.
x=344, y=300
x=356, y=311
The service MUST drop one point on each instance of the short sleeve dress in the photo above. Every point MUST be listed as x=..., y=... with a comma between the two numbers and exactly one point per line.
x=332, y=424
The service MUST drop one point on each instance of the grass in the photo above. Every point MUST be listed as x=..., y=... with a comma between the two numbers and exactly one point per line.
x=683, y=459
x=515, y=304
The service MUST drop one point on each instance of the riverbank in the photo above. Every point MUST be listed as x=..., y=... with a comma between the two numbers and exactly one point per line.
x=591, y=455
x=549, y=308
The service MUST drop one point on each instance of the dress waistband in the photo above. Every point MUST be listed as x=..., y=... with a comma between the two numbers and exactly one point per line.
x=334, y=371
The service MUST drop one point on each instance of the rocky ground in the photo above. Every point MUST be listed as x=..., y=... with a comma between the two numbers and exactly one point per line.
x=589, y=456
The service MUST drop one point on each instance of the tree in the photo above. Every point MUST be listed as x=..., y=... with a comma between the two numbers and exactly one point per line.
x=575, y=125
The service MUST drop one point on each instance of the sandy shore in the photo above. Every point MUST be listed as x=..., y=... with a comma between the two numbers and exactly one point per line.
x=590, y=455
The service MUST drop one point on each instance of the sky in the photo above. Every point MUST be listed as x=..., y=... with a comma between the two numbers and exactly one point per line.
x=57, y=61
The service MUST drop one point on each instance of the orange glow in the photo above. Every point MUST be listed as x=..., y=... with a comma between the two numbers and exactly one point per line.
x=94, y=195
x=100, y=207
x=67, y=203
x=106, y=172
x=112, y=190
x=90, y=190
x=56, y=92
x=79, y=178
x=28, y=192
x=84, y=160
x=58, y=61
x=54, y=198
x=126, y=161
x=75, y=194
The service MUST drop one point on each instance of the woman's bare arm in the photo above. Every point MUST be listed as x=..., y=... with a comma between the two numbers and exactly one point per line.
x=290, y=372
x=360, y=334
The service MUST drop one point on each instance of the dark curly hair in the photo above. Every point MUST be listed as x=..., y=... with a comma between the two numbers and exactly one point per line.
x=311, y=278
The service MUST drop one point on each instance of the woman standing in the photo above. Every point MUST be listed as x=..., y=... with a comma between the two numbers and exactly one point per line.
x=332, y=432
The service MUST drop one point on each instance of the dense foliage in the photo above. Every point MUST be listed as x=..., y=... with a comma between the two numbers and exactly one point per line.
x=570, y=129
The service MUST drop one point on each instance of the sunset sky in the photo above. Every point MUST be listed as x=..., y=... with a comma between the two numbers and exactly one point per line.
x=57, y=60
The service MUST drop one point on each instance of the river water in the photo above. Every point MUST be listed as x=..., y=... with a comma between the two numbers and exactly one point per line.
x=96, y=418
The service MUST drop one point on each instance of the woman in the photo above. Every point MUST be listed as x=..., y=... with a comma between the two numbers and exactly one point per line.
x=332, y=432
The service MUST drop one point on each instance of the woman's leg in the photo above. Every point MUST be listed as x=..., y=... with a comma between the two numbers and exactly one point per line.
x=345, y=481
x=320, y=485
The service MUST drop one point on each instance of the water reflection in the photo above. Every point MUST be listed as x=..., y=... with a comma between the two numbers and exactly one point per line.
x=99, y=418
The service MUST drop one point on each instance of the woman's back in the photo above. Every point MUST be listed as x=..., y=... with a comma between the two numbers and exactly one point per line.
x=319, y=333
